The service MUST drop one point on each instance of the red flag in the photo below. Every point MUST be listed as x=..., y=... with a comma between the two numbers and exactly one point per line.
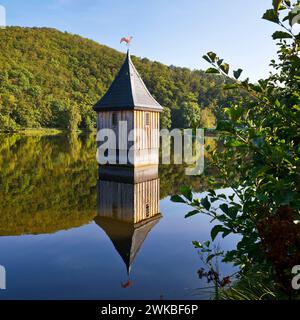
x=127, y=40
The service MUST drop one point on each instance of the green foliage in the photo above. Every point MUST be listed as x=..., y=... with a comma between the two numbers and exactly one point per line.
x=254, y=286
x=208, y=119
x=271, y=15
x=191, y=113
x=281, y=35
x=45, y=73
x=165, y=118
x=196, y=117
x=7, y=124
x=261, y=165
x=73, y=118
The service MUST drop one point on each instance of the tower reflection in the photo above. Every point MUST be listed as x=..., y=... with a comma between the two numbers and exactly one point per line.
x=128, y=207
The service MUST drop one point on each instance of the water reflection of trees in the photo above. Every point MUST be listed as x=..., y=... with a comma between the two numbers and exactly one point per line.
x=48, y=183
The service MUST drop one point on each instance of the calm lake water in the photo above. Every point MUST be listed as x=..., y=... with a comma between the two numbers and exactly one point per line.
x=55, y=243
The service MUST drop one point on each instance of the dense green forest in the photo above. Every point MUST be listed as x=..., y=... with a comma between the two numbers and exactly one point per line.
x=52, y=79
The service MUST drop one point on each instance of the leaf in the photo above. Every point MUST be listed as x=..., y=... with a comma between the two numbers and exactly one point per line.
x=233, y=143
x=206, y=243
x=235, y=112
x=237, y=73
x=225, y=67
x=215, y=231
x=205, y=203
x=293, y=16
x=212, y=192
x=205, y=57
x=233, y=211
x=212, y=70
x=285, y=18
x=220, y=61
x=230, y=255
x=262, y=197
x=296, y=107
x=231, y=197
x=210, y=257
x=191, y=213
x=187, y=192
x=224, y=208
x=226, y=233
x=281, y=35
x=177, y=198
x=271, y=15
x=225, y=125
x=212, y=56
x=197, y=244
x=276, y=4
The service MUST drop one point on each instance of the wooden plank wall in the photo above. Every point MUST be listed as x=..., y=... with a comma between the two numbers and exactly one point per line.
x=116, y=200
x=147, y=138
x=105, y=122
x=146, y=193
x=128, y=202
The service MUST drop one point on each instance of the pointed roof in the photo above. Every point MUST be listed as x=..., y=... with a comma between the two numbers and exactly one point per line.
x=127, y=237
x=127, y=92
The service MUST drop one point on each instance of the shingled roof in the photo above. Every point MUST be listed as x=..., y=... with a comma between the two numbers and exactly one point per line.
x=127, y=237
x=127, y=92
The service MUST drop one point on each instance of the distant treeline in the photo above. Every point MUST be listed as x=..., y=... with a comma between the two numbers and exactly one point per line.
x=52, y=79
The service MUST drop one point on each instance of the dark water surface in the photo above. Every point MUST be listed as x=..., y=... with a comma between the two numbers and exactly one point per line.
x=55, y=243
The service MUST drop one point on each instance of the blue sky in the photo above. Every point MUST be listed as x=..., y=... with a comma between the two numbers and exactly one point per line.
x=174, y=32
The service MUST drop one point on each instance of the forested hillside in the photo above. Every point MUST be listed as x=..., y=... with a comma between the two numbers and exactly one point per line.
x=52, y=79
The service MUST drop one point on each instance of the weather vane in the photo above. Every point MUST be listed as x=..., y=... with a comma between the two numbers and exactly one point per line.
x=127, y=40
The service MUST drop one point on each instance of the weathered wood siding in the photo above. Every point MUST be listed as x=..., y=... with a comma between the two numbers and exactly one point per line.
x=116, y=200
x=145, y=136
x=105, y=121
x=128, y=202
x=148, y=137
x=145, y=145
x=146, y=200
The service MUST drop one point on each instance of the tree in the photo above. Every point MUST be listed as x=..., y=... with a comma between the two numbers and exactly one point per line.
x=261, y=164
x=191, y=112
x=7, y=124
x=165, y=118
x=208, y=119
x=73, y=117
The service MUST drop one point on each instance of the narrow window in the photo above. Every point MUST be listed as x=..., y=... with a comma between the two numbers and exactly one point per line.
x=147, y=120
x=114, y=119
x=147, y=210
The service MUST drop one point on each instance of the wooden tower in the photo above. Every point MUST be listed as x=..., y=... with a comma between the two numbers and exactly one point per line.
x=129, y=100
